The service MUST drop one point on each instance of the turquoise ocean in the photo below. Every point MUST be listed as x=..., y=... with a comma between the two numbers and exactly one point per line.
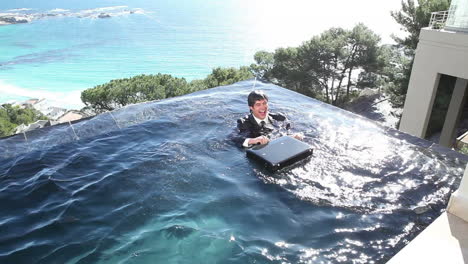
x=58, y=57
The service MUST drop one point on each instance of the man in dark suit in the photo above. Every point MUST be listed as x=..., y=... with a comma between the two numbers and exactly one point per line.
x=256, y=127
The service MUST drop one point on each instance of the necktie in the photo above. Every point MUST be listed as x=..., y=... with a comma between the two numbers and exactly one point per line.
x=262, y=124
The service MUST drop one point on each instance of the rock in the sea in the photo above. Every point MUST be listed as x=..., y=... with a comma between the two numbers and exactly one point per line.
x=104, y=15
x=13, y=20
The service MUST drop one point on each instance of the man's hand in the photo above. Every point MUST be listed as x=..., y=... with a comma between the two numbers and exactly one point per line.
x=259, y=140
x=298, y=136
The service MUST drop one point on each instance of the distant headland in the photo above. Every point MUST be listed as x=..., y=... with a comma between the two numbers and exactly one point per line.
x=26, y=15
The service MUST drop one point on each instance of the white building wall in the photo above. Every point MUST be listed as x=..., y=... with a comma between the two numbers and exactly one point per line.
x=438, y=52
x=458, y=204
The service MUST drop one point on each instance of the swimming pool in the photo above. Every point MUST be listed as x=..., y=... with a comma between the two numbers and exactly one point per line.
x=162, y=182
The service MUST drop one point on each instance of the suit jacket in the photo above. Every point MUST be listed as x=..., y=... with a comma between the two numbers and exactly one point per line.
x=249, y=128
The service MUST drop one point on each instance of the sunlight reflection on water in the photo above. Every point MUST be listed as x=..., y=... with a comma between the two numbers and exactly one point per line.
x=163, y=182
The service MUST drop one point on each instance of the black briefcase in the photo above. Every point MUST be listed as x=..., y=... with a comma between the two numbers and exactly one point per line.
x=280, y=152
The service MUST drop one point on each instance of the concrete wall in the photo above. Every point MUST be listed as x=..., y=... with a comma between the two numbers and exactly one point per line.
x=438, y=52
x=458, y=203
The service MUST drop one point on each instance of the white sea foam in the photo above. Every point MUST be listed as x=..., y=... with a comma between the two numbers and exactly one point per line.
x=19, y=9
x=59, y=10
x=69, y=100
x=8, y=14
x=138, y=10
x=99, y=10
x=109, y=8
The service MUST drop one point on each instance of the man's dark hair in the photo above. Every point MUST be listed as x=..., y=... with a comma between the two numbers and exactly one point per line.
x=256, y=96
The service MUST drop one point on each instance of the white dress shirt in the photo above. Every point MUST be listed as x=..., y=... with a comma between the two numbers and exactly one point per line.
x=266, y=120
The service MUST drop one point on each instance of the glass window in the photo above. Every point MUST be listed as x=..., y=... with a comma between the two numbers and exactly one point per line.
x=458, y=15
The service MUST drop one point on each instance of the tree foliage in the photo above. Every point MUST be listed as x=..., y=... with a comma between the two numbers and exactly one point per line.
x=412, y=19
x=264, y=63
x=323, y=66
x=13, y=116
x=398, y=74
x=142, y=88
x=225, y=76
x=288, y=71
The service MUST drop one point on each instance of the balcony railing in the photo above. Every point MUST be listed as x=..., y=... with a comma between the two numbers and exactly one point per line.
x=438, y=19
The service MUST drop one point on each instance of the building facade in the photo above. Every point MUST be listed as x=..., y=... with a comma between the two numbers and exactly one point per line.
x=439, y=52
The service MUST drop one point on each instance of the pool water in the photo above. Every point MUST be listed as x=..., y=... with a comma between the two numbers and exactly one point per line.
x=162, y=182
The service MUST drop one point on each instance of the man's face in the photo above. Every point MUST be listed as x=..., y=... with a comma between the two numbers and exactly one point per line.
x=260, y=109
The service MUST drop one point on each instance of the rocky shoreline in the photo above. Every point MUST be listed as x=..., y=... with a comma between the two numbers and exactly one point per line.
x=8, y=19
x=24, y=15
x=56, y=115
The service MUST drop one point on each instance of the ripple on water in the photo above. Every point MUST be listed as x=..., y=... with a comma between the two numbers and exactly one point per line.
x=163, y=182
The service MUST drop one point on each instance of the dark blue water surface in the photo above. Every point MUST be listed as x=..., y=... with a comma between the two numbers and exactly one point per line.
x=161, y=182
